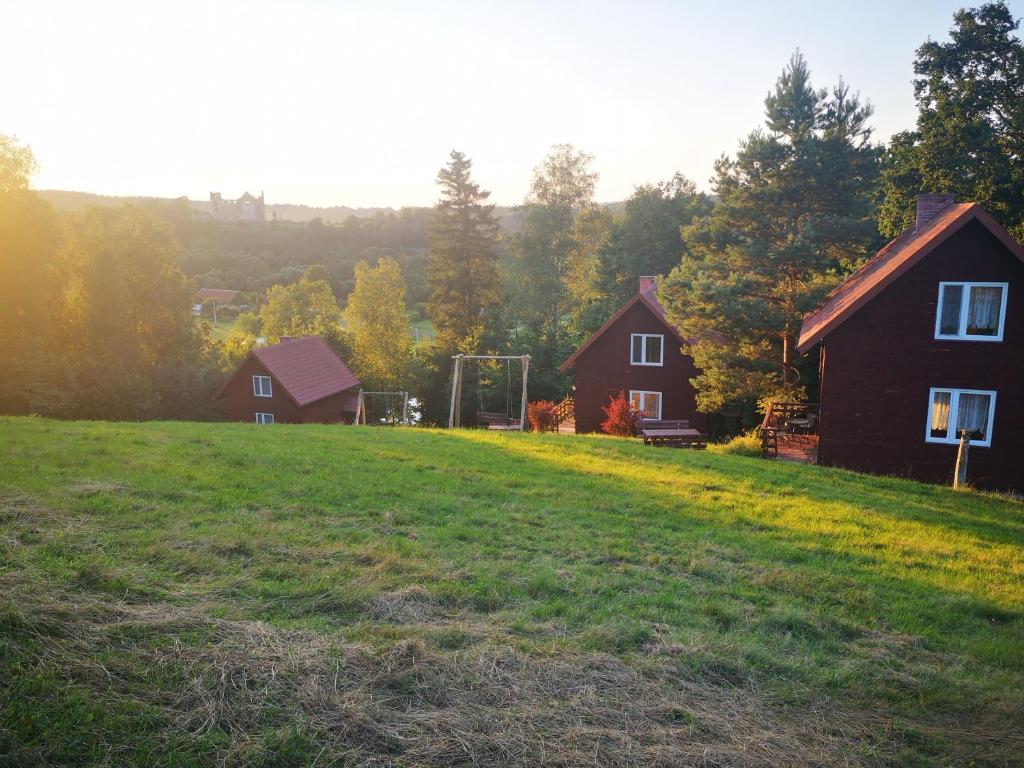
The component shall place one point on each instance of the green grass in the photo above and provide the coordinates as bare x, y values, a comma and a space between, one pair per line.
193, 594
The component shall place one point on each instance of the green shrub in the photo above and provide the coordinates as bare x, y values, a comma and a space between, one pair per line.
747, 444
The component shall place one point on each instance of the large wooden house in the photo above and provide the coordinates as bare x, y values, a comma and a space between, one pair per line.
296, 381
925, 341
637, 352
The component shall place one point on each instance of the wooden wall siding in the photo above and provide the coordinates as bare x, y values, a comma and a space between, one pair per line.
879, 365
241, 405
604, 369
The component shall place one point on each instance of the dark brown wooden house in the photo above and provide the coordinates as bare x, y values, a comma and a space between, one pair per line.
924, 341
296, 381
637, 352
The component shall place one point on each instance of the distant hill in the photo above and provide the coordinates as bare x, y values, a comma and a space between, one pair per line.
65, 200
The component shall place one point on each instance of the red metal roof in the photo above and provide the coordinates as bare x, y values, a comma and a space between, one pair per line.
646, 297
893, 260
215, 294
307, 369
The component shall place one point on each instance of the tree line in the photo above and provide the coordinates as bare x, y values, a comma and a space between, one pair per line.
95, 319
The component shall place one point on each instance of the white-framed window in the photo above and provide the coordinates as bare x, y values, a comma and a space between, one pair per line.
646, 348
648, 403
953, 411
261, 386
264, 418
971, 311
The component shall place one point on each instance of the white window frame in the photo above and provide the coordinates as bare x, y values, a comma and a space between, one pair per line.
965, 306
264, 418
257, 386
643, 393
954, 414
643, 348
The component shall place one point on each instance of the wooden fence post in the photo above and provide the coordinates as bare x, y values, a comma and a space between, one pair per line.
960, 474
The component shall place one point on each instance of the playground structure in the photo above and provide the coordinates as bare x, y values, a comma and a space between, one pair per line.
493, 420
393, 412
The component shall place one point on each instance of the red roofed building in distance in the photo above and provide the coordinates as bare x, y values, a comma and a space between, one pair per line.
296, 381
636, 352
923, 342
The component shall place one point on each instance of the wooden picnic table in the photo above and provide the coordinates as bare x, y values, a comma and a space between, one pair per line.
679, 437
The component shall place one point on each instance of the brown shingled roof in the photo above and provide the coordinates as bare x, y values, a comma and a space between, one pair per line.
647, 298
307, 369
893, 260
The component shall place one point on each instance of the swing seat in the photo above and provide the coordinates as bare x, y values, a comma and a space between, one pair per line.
496, 420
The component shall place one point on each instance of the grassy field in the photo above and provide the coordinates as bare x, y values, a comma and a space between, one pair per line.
181, 594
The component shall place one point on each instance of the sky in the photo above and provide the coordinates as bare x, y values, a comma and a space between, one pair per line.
325, 102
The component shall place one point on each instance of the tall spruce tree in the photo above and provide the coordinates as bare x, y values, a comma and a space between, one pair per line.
794, 212
969, 138
463, 266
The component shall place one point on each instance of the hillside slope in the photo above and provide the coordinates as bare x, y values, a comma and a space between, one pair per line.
224, 594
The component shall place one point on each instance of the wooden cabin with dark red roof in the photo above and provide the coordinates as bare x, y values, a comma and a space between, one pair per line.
637, 352
296, 381
926, 341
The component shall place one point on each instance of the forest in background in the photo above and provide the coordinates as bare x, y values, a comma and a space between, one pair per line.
803, 200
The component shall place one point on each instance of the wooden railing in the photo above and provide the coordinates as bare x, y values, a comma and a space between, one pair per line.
780, 419
565, 411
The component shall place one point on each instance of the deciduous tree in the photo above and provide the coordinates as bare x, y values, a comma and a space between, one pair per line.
378, 325
969, 138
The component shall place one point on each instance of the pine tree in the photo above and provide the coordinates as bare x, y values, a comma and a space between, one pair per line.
794, 212
463, 267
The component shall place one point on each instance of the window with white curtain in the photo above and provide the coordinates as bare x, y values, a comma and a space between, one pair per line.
952, 412
971, 311
647, 403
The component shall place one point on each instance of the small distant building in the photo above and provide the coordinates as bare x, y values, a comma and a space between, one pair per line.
297, 381
639, 353
923, 343
247, 208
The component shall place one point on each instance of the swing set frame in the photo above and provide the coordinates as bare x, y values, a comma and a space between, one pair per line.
361, 406
454, 412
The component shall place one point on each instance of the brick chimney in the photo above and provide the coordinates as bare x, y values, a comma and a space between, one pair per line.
928, 206
647, 283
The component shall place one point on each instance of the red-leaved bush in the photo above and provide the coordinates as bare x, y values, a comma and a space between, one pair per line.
542, 416
620, 417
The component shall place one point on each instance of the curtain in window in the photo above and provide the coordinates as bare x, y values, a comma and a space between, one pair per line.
983, 312
952, 295
940, 414
652, 404
653, 349
972, 415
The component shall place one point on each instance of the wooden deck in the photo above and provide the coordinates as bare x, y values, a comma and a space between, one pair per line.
802, 449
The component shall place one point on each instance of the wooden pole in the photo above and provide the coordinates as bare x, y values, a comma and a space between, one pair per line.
455, 389
522, 408
405, 409
215, 314
960, 474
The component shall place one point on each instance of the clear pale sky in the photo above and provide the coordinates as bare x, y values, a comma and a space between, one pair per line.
358, 103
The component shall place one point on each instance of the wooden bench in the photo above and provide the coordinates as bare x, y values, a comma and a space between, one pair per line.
674, 433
